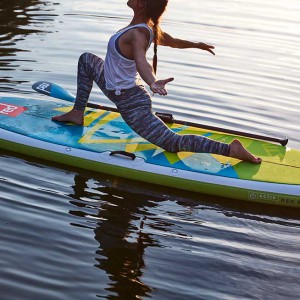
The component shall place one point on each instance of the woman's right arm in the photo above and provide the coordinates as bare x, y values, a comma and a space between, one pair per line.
139, 47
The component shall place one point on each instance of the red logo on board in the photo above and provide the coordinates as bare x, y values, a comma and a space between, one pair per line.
11, 110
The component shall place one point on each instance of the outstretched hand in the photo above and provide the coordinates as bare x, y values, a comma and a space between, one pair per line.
206, 47
158, 86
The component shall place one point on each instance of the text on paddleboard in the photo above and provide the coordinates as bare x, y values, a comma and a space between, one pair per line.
11, 110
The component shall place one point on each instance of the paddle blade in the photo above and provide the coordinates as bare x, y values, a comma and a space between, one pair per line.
53, 90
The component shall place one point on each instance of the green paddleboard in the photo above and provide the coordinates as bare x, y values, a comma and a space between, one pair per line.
106, 144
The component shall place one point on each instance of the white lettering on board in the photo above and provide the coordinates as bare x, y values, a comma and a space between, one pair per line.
7, 109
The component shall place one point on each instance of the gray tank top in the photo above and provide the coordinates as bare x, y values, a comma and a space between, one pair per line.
119, 71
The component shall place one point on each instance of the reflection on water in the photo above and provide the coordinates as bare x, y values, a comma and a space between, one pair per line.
119, 231
18, 19
125, 226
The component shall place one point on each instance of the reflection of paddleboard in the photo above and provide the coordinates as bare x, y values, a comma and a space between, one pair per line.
106, 144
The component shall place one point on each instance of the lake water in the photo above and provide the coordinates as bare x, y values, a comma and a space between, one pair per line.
66, 233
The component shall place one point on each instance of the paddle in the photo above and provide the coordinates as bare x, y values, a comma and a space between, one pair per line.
56, 91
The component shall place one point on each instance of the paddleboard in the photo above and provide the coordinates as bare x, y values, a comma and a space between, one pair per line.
106, 144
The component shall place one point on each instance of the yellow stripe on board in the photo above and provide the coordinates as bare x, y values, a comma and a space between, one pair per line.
87, 138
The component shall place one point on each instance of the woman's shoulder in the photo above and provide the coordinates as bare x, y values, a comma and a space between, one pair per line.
139, 31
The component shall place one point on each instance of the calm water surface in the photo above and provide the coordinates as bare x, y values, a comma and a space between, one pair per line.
70, 234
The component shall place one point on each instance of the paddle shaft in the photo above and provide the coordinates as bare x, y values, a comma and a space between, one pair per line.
168, 118
56, 91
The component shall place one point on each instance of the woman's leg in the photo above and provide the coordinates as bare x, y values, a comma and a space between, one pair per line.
137, 113
90, 69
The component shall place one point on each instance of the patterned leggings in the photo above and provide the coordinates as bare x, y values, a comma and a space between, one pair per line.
134, 105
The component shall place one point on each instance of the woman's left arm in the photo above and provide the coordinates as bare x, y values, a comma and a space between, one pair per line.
169, 41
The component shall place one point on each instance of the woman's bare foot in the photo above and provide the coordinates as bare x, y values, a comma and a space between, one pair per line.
237, 150
74, 116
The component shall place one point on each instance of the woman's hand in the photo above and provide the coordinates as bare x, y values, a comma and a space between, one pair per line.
206, 47
158, 86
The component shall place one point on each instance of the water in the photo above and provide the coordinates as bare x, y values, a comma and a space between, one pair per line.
70, 234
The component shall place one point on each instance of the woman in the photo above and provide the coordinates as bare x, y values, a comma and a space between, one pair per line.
118, 78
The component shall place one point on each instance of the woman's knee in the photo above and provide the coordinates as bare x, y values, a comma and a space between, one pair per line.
84, 56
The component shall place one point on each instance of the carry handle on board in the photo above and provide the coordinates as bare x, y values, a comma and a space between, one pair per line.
56, 91
123, 153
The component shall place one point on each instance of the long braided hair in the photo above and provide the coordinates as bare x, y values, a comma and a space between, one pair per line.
154, 11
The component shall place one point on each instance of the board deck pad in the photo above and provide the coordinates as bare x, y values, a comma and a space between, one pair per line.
106, 131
